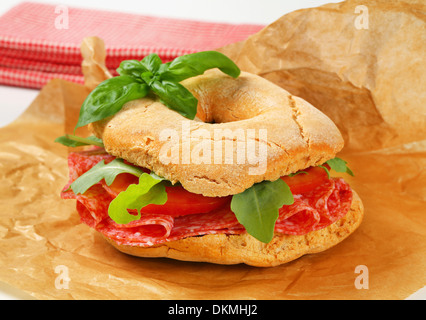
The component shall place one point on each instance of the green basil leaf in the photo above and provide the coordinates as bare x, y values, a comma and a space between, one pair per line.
148, 191
149, 78
132, 68
152, 62
194, 64
176, 97
257, 208
339, 165
103, 171
70, 140
163, 68
109, 97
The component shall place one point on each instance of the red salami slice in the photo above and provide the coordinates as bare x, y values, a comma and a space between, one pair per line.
198, 224
149, 231
332, 200
96, 201
310, 211
298, 218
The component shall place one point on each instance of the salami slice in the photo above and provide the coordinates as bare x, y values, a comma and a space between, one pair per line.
96, 201
310, 211
332, 200
298, 218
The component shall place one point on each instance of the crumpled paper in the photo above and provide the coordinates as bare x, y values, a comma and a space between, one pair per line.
368, 80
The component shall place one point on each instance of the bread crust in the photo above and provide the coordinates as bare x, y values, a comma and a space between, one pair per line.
298, 135
243, 248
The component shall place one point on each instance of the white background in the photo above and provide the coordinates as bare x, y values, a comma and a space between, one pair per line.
15, 100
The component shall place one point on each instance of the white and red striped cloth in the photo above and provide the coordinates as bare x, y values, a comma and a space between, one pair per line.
33, 49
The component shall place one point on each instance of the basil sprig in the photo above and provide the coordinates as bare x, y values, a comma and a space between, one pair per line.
109, 97
138, 78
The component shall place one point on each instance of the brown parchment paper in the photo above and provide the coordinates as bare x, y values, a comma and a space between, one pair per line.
371, 82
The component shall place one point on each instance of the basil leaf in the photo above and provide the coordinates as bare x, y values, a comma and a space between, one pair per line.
132, 68
103, 171
339, 165
257, 208
70, 140
137, 196
194, 64
176, 97
152, 62
109, 97
164, 67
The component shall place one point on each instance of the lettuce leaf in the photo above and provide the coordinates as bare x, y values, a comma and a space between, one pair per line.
149, 190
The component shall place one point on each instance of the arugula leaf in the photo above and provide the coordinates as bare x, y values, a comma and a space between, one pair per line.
296, 173
103, 171
148, 191
339, 165
194, 64
257, 208
109, 97
70, 140
326, 170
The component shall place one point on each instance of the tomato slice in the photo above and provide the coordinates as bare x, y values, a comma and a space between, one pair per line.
182, 202
120, 183
304, 182
179, 201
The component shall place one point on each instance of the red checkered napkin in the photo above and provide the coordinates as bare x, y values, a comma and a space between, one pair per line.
39, 42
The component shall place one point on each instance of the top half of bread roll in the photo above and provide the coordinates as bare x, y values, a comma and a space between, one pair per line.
247, 130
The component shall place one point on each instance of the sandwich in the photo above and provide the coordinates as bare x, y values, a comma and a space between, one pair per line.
196, 160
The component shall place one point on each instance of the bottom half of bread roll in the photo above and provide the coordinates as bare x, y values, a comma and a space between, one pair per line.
243, 248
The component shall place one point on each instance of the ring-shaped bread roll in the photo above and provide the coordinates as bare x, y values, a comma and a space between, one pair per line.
272, 134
